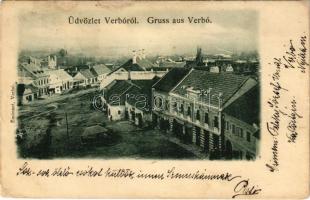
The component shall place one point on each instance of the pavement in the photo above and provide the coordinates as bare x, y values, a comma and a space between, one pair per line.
197, 151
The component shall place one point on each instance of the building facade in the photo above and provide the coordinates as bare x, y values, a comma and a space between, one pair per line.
60, 81
194, 110
37, 76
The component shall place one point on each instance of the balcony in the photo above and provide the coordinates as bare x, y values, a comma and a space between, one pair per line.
216, 130
206, 125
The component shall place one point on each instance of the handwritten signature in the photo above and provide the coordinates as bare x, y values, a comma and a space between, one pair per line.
296, 58
293, 58
243, 188
293, 121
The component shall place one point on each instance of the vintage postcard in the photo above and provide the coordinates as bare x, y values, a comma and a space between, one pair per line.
154, 99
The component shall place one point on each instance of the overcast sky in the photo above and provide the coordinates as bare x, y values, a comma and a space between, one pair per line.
231, 31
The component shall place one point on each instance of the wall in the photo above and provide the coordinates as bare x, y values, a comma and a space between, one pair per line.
113, 111
240, 143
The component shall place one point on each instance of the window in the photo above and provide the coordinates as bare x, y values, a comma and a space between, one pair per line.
119, 112
216, 121
241, 132
207, 118
248, 136
227, 125
233, 129
158, 102
198, 115
182, 108
175, 106
189, 112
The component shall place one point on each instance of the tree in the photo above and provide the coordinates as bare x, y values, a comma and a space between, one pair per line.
20, 93
63, 52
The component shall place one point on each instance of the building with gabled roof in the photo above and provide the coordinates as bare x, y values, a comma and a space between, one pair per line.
138, 105
26, 93
169, 80
128, 98
59, 80
84, 78
201, 108
100, 71
114, 97
35, 75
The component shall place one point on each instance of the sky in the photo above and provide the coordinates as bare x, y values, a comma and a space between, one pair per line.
231, 31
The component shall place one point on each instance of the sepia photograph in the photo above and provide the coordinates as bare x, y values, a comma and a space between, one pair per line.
173, 95
154, 99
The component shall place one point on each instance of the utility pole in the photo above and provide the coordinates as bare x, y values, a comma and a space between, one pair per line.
67, 128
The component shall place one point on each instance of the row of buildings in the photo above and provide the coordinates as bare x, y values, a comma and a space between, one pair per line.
214, 110
36, 81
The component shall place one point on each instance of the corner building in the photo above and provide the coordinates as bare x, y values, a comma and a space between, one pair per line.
219, 112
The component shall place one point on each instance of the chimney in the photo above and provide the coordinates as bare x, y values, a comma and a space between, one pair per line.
134, 57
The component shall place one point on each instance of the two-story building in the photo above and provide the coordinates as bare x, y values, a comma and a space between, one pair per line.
59, 80
198, 107
129, 99
38, 76
100, 72
138, 104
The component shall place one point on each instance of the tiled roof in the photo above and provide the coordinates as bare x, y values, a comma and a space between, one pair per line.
145, 63
250, 101
140, 96
100, 69
25, 79
198, 80
172, 64
170, 79
87, 73
30, 89
121, 88
146, 83
129, 66
61, 74
141, 65
33, 69
117, 90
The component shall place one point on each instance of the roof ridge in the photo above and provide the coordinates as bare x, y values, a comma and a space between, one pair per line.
128, 81
160, 79
237, 89
191, 71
